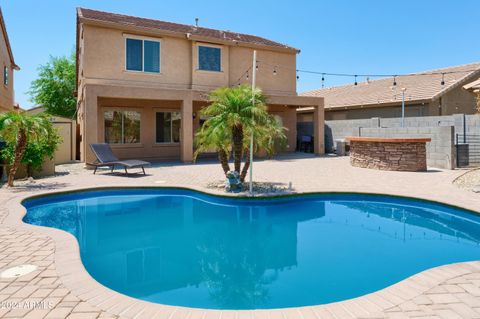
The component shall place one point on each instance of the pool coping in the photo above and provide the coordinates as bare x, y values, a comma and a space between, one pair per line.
75, 277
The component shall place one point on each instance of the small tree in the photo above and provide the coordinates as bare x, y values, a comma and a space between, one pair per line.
36, 151
21, 130
232, 117
54, 87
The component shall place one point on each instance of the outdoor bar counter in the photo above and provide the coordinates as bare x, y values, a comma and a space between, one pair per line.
389, 154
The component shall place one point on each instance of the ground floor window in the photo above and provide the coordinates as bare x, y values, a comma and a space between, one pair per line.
122, 127
167, 127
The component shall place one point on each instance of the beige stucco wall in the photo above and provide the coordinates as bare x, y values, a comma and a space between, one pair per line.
147, 148
104, 84
369, 112
458, 101
288, 117
102, 56
283, 82
150, 150
6, 91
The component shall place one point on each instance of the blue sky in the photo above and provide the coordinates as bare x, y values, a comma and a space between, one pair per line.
390, 37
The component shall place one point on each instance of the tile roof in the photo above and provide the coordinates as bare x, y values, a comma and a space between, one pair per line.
214, 35
419, 86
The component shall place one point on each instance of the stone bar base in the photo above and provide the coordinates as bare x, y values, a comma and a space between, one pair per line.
389, 154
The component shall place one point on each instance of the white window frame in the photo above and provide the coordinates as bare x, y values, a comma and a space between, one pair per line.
210, 46
142, 38
123, 125
171, 127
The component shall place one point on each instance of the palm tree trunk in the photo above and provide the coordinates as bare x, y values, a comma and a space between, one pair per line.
237, 136
222, 156
246, 166
19, 151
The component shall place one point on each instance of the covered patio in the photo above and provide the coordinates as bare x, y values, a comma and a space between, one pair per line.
153, 123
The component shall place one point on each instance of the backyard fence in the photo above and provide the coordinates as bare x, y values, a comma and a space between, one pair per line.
465, 127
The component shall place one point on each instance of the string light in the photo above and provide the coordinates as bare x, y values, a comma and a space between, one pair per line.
367, 76
394, 76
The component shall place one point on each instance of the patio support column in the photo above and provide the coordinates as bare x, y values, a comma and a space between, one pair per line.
186, 149
91, 122
319, 129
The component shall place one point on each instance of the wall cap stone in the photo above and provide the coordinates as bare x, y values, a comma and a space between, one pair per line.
387, 140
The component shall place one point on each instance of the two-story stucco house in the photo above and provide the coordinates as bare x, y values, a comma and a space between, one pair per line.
141, 82
7, 64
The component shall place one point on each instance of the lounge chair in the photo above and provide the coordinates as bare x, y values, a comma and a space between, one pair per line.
106, 158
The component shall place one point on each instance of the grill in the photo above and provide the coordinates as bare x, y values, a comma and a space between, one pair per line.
468, 149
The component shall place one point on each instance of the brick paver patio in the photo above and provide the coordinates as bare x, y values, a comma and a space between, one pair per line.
57, 290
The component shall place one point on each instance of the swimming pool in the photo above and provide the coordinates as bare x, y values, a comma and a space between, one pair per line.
185, 248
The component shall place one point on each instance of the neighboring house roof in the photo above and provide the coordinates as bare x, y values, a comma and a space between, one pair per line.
7, 41
475, 85
183, 29
36, 109
420, 87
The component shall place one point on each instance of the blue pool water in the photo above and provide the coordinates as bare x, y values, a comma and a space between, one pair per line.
180, 247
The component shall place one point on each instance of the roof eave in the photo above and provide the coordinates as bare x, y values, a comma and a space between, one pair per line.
373, 105
472, 85
115, 25
9, 48
456, 84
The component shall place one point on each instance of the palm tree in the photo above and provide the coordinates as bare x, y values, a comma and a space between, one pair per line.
18, 128
214, 135
269, 137
232, 117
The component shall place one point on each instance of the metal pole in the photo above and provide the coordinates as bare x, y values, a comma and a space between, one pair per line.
254, 77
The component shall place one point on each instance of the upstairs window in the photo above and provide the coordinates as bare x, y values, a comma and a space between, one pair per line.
5, 75
142, 55
209, 58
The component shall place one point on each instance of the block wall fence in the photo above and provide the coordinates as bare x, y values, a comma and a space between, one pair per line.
442, 130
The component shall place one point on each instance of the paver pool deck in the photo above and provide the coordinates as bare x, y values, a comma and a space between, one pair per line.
61, 288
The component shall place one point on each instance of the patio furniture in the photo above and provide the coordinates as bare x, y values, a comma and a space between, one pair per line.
106, 158
306, 143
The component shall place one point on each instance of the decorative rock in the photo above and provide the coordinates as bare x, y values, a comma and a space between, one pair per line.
476, 189
233, 184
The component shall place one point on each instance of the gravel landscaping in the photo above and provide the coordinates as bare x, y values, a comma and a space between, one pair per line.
469, 181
